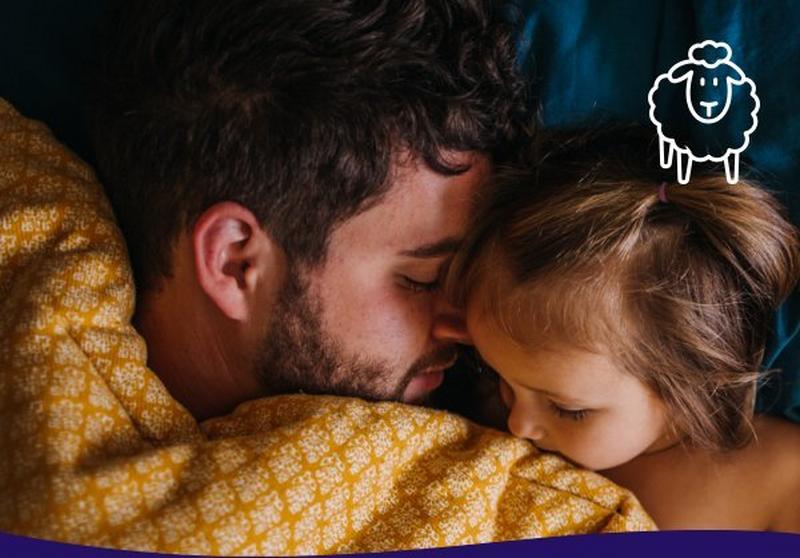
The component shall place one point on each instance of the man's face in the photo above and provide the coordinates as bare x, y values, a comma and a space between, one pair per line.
370, 321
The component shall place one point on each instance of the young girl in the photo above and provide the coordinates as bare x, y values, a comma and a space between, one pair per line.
626, 316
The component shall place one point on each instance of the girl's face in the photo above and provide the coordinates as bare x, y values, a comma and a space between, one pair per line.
573, 402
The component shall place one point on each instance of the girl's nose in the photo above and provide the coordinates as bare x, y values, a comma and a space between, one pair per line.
523, 423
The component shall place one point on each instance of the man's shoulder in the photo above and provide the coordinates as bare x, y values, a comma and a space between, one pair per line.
36, 164
51, 206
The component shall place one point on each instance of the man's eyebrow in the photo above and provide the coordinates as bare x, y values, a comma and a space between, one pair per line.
435, 250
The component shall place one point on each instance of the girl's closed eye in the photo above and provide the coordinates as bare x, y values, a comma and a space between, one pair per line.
572, 414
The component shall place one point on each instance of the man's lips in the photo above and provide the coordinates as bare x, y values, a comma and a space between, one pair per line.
426, 381
439, 367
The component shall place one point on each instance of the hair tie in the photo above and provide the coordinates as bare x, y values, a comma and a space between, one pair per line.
662, 193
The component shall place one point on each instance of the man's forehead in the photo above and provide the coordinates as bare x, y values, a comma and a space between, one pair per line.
423, 215
413, 181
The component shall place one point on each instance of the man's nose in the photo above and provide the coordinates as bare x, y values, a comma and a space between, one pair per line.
449, 324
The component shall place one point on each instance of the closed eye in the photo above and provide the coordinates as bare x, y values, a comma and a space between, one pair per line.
572, 414
419, 286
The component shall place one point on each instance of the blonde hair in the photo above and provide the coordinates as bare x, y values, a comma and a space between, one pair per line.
575, 246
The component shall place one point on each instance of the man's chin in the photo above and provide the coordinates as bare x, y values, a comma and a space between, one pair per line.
421, 386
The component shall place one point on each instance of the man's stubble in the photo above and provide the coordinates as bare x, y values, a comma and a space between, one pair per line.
299, 356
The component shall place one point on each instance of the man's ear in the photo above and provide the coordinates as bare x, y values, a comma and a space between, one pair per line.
237, 263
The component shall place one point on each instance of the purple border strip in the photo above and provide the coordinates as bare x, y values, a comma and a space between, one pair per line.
674, 544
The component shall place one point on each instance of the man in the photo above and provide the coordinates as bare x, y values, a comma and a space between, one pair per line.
292, 177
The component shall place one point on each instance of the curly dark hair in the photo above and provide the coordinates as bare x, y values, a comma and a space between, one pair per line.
293, 108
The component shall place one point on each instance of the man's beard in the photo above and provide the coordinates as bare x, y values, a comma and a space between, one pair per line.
298, 356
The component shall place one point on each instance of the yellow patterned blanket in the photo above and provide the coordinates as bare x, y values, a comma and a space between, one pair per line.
93, 449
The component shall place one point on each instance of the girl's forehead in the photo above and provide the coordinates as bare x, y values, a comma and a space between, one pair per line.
555, 368
570, 307
563, 362
584, 377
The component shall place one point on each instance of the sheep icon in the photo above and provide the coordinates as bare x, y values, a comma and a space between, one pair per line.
711, 84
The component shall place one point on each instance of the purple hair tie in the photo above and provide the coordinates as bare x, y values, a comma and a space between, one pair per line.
662, 193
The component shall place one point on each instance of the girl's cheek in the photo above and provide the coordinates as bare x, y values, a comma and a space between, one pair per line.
597, 447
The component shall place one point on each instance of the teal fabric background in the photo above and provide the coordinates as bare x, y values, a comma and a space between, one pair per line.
587, 59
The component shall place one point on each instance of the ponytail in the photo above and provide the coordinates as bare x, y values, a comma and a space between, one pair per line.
747, 228
734, 258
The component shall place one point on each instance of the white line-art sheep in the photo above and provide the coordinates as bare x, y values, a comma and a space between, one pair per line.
708, 78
